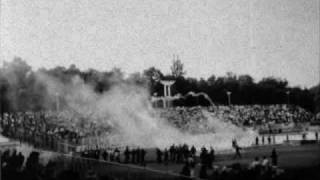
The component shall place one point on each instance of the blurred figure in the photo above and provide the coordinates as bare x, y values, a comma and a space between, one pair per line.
126, 155
204, 156
274, 157
193, 151
142, 156
166, 156
186, 170
254, 163
211, 157
265, 161
159, 155
203, 172
237, 149
117, 154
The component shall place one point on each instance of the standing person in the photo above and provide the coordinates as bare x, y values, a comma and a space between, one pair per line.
105, 155
203, 155
138, 154
117, 154
262, 140
211, 158
257, 141
269, 139
193, 151
237, 153
172, 152
133, 156
316, 134
166, 156
159, 155
111, 155
142, 156
127, 155
304, 136
274, 157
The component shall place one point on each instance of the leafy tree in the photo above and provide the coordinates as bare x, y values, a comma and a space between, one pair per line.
177, 68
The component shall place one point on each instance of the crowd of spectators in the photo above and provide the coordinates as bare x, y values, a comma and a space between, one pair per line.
46, 126
264, 168
16, 166
48, 129
259, 116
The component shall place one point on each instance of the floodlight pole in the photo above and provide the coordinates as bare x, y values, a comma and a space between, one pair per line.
57, 103
229, 97
288, 97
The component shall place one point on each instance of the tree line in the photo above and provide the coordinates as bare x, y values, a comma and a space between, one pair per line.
21, 91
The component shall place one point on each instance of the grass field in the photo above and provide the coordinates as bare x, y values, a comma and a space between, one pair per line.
298, 161
291, 157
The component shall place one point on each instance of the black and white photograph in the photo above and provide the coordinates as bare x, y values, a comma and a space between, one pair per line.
159, 89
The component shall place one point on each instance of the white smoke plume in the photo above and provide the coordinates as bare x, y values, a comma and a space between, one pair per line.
126, 108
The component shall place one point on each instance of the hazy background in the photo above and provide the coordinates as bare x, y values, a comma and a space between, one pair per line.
262, 38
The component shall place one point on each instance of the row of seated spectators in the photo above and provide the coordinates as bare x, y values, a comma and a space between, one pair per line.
194, 118
49, 127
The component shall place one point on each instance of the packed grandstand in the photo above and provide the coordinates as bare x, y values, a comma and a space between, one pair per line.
64, 126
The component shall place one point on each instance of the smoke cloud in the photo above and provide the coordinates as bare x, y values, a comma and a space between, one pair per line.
123, 116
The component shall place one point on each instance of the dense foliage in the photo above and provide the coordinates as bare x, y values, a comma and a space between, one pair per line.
21, 91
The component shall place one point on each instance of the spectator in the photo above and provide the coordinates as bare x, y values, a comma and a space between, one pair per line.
274, 157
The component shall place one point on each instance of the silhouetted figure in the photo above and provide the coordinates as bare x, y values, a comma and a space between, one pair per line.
257, 140
316, 134
186, 170
269, 140
20, 160
105, 155
304, 136
112, 156
172, 151
142, 156
117, 154
237, 149
159, 155
166, 156
211, 157
255, 163
203, 172
274, 157
126, 155
138, 154
193, 151
204, 156
133, 156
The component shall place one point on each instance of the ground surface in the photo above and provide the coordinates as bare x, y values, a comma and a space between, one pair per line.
290, 157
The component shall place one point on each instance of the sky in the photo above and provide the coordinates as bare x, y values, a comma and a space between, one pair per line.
257, 37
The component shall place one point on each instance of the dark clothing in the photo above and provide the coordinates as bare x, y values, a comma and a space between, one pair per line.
274, 157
